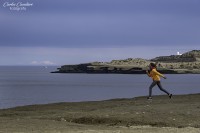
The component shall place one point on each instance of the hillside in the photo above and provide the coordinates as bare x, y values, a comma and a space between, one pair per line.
188, 62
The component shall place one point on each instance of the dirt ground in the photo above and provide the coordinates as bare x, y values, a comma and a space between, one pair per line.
181, 114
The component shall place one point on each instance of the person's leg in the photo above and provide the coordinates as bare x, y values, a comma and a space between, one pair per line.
150, 88
161, 88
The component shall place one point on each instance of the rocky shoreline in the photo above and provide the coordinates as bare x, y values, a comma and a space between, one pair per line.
187, 63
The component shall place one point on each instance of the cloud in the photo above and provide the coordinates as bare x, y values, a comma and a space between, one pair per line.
46, 62
102, 23
34, 62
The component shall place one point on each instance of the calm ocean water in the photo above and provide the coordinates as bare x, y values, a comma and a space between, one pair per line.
36, 85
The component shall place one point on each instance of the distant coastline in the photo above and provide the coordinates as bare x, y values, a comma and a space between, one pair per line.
187, 63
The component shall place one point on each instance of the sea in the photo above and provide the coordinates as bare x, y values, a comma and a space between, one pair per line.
29, 85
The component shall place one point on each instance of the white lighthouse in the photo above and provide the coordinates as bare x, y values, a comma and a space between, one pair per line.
178, 53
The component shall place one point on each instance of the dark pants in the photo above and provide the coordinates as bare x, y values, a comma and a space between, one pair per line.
159, 85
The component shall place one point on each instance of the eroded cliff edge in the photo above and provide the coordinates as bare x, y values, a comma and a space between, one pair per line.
188, 62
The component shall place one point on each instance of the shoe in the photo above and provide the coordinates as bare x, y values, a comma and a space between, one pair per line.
149, 98
170, 96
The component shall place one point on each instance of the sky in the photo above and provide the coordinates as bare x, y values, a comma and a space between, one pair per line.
59, 32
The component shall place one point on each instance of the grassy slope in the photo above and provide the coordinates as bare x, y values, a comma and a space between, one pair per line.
181, 111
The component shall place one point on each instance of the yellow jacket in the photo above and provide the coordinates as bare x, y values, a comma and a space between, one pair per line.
155, 75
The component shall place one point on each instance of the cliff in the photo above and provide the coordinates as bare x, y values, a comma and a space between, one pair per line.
191, 56
188, 62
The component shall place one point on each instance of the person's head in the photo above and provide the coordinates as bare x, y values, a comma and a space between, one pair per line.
152, 65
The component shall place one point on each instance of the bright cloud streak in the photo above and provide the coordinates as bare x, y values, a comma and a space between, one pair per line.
42, 63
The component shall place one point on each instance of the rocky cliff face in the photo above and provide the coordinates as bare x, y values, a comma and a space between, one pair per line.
138, 62
191, 56
188, 62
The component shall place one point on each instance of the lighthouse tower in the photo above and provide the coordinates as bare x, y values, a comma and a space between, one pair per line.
178, 53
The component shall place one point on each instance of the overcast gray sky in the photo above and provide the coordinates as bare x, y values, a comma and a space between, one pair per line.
58, 32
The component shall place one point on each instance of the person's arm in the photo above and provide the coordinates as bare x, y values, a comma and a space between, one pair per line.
148, 73
157, 73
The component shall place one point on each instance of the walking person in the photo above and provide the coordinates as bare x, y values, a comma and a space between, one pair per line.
155, 75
